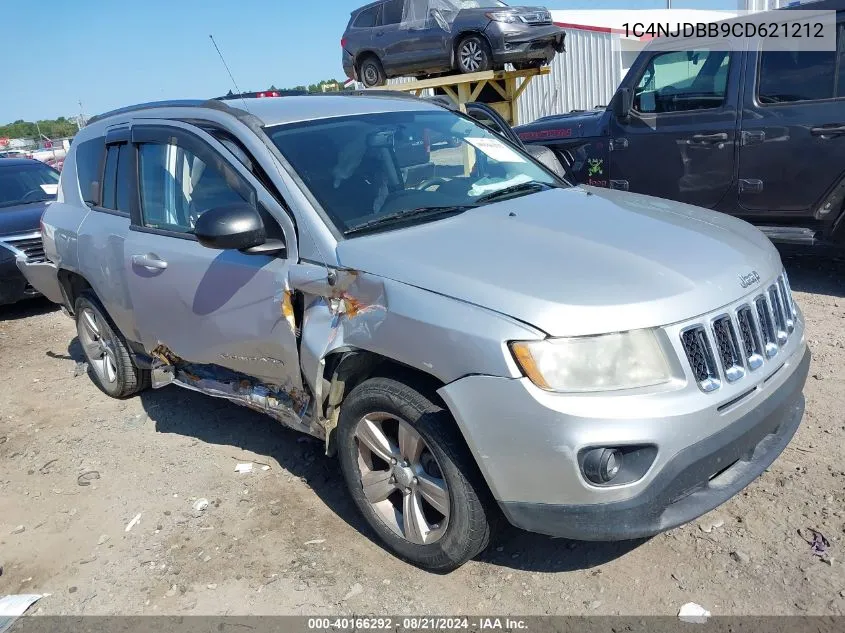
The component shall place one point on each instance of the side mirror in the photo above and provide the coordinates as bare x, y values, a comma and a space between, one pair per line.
623, 101
233, 226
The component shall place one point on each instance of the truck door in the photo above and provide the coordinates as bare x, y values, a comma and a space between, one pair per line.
793, 132
679, 138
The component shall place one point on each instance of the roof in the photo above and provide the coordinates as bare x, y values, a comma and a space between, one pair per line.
294, 109
10, 162
277, 111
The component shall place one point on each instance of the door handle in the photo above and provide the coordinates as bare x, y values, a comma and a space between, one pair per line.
719, 137
149, 261
828, 130
380, 33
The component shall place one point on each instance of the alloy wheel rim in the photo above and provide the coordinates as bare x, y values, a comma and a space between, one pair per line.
401, 478
98, 351
471, 55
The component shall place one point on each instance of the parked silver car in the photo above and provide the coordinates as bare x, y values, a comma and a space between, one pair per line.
470, 334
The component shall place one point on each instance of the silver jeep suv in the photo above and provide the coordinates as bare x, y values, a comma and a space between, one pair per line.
471, 335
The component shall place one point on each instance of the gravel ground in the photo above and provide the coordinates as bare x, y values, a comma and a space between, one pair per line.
77, 467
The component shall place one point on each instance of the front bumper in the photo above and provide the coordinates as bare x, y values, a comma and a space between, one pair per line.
520, 42
695, 481
527, 443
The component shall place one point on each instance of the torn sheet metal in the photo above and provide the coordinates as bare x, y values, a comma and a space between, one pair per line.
342, 308
287, 405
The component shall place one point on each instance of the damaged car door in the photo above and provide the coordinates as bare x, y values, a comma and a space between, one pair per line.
216, 316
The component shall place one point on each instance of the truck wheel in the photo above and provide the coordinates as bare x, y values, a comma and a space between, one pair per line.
474, 54
109, 363
412, 476
372, 72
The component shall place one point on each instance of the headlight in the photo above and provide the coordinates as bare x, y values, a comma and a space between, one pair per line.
624, 360
502, 16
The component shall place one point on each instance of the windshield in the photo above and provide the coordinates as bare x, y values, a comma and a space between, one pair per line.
362, 168
27, 183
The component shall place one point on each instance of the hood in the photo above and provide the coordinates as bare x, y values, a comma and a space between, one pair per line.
574, 125
576, 261
21, 218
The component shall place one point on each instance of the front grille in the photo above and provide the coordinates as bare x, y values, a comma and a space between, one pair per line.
743, 340
30, 245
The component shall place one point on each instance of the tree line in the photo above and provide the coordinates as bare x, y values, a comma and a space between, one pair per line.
56, 128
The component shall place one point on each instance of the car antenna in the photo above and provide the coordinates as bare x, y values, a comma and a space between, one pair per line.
331, 275
231, 76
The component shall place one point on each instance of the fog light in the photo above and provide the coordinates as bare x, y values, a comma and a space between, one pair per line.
601, 465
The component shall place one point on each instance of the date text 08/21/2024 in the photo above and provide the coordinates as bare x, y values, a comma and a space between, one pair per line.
416, 623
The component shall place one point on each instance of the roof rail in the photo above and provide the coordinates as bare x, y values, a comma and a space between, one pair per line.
173, 103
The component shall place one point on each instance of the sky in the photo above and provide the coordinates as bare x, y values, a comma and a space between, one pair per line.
111, 53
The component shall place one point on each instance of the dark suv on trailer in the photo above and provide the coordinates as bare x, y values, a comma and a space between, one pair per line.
391, 38
756, 134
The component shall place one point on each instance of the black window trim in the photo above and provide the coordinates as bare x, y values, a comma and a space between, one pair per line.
113, 136
840, 61
734, 59
160, 134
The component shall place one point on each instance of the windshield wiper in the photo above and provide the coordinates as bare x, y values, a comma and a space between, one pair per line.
400, 216
523, 187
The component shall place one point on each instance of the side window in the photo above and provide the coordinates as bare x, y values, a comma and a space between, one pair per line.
790, 76
367, 19
89, 165
681, 81
176, 187
392, 12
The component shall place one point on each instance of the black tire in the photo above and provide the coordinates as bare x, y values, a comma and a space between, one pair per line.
128, 379
472, 511
473, 54
371, 72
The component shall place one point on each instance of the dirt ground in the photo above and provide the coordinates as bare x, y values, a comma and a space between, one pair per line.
287, 540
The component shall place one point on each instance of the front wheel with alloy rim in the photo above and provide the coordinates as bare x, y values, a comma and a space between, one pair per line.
110, 364
412, 476
474, 55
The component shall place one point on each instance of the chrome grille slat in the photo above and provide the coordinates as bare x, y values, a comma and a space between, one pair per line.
700, 357
749, 332
727, 348
743, 339
767, 326
779, 313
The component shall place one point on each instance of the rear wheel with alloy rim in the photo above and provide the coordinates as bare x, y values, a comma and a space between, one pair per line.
412, 476
110, 364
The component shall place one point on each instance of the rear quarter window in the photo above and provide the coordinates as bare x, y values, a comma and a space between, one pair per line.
89, 168
367, 18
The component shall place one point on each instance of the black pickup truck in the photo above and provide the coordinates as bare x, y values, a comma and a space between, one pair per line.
755, 134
